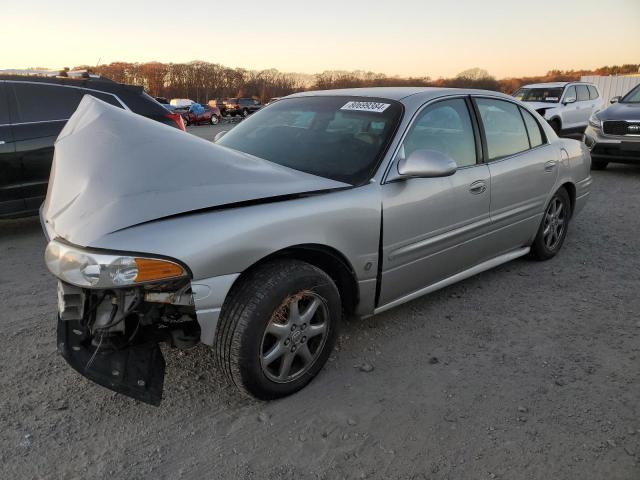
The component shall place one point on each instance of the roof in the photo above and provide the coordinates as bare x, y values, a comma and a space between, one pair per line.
554, 84
394, 93
99, 83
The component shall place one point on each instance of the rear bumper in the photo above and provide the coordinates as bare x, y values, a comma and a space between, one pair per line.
621, 149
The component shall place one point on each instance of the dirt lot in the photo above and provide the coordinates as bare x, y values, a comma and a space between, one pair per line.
529, 371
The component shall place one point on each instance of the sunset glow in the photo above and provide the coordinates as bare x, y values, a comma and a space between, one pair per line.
404, 37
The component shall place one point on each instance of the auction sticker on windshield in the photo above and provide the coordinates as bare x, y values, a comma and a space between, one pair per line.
366, 106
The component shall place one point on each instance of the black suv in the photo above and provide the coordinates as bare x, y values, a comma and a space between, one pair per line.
240, 106
33, 111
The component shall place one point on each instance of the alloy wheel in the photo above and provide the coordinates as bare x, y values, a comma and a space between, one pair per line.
554, 223
294, 337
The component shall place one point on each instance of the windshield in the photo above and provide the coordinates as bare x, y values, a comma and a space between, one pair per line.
632, 97
341, 138
549, 95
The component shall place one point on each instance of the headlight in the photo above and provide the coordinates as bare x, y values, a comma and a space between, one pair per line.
97, 270
594, 121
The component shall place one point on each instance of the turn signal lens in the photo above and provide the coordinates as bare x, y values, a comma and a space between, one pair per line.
150, 269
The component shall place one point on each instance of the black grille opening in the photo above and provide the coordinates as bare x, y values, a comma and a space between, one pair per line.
620, 127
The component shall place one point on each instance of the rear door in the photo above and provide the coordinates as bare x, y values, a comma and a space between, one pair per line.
596, 100
41, 111
584, 105
434, 227
523, 167
11, 200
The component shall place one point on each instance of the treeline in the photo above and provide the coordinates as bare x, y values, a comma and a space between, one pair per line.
202, 81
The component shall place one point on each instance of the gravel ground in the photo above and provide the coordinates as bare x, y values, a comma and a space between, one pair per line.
529, 371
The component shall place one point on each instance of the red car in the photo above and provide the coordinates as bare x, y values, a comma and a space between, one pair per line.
208, 115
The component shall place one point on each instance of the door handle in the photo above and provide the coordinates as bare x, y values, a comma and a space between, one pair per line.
550, 165
478, 187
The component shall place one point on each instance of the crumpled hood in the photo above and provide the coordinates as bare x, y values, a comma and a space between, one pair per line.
621, 111
542, 105
113, 169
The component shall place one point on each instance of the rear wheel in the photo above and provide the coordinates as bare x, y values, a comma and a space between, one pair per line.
245, 112
186, 121
598, 164
555, 124
277, 328
214, 120
553, 228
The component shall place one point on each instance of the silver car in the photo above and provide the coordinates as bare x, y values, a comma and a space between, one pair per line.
321, 204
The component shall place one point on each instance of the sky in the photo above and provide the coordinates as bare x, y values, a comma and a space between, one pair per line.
397, 37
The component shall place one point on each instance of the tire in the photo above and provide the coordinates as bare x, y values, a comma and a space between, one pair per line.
214, 120
557, 127
245, 112
598, 164
186, 121
253, 358
553, 227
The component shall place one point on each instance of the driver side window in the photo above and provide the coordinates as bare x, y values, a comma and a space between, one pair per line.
570, 94
446, 128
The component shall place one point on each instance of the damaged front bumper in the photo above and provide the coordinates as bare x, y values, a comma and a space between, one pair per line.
113, 337
136, 370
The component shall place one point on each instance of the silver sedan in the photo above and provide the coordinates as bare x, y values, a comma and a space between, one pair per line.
321, 204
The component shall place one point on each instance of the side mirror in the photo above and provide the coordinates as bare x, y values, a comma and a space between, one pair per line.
426, 164
615, 99
569, 100
219, 135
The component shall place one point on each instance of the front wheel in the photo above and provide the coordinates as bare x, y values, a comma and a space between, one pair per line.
186, 121
214, 120
245, 112
553, 228
277, 328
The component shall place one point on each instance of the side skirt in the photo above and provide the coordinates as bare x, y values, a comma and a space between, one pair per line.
481, 267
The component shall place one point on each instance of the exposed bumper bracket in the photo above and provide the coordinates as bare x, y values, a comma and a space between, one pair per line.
136, 371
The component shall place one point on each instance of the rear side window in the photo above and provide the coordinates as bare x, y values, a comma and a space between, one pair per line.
105, 97
503, 127
583, 93
140, 102
444, 127
593, 92
533, 129
41, 102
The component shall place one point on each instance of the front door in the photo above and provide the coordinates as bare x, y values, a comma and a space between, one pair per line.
434, 227
570, 110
